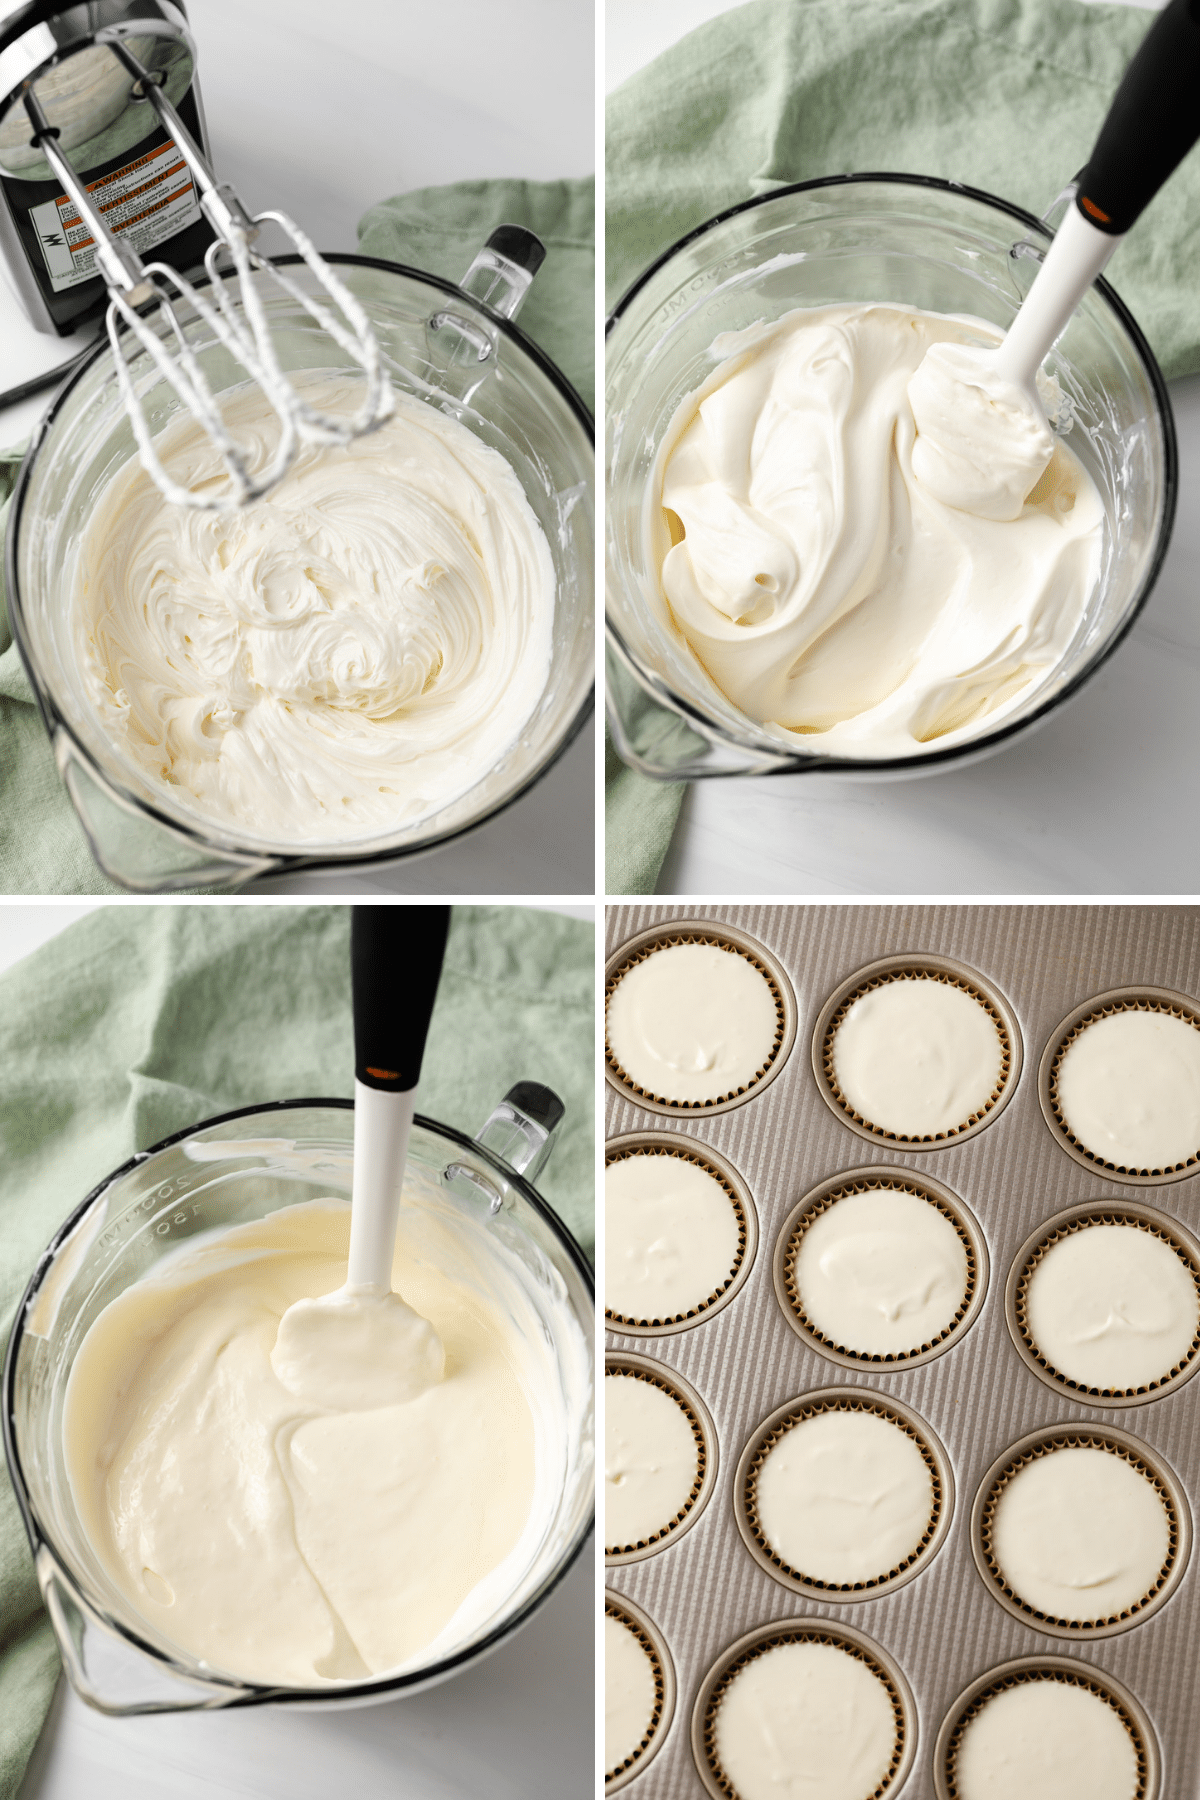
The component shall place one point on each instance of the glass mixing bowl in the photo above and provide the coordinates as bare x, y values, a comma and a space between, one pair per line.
227, 1171
456, 349
908, 239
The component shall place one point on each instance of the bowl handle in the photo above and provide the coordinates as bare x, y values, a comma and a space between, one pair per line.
499, 278
656, 740
109, 1674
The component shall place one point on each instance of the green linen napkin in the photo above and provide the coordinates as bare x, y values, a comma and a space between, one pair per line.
1004, 95
42, 846
138, 1021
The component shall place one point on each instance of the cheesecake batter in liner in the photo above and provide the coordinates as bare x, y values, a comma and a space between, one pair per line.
936, 968
1058, 1668
1120, 1443
874, 1179
663, 1143
644, 1368
1078, 1218
1103, 1006
692, 931
770, 1637
810, 1406
976, 1394
653, 1643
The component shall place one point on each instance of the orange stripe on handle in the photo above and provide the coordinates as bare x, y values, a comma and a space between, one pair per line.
1093, 211
384, 1074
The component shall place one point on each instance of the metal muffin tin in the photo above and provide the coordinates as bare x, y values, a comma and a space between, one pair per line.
945, 1636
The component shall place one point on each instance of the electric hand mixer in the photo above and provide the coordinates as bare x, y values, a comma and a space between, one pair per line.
76, 78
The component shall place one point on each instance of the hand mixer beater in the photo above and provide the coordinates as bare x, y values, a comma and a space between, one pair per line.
134, 60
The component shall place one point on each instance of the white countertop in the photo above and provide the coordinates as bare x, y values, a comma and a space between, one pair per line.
323, 111
1100, 801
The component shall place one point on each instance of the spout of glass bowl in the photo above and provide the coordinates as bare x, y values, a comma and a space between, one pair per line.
137, 847
499, 278
111, 1675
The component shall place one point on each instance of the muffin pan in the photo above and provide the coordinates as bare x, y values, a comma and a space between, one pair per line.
941, 1632
661, 1143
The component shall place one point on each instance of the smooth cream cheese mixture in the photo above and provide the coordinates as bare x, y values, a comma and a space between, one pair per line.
651, 1460
881, 1272
671, 1237
1046, 1740
692, 1022
1081, 1534
1113, 1307
805, 1722
1129, 1089
844, 1497
339, 660
917, 1057
829, 593
288, 1543
630, 1693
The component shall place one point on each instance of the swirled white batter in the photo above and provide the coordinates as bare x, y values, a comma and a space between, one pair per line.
1046, 1740
692, 1022
629, 1692
917, 1056
1129, 1088
1080, 1534
844, 1496
337, 661
881, 1272
805, 1722
1113, 1307
670, 1233
828, 592
283, 1541
651, 1460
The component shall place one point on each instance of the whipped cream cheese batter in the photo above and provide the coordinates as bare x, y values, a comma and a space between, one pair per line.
1046, 1740
1129, 1088
288, 1542
805, 1722
1113, 1307
651, 1460
828, 590
629, 1692
692, 1022
1080, 1534
339, 660
917, 1056
844, 1496
671, 1236
882, 1272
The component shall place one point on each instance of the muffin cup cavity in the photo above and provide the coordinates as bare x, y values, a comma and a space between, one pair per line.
618, 1606
1106, 1006
774, 1429
646, 1368
801, 1631
818, 1201
1095, 1437
928, 967
665, 935
662, 1143
1063, 1669
1056, 1230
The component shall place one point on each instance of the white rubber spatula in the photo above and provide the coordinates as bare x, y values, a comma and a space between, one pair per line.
983, 439
363, 1346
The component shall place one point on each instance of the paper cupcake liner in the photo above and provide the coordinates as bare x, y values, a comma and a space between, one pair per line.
645, 1368
650, 1638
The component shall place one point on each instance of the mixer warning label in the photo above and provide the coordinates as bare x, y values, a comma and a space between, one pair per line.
147, 201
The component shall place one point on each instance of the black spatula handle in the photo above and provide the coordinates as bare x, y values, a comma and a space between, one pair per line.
395, 960
1152, 123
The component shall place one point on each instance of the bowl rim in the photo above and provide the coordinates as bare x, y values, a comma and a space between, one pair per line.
247, 1693
216, 840
791, 762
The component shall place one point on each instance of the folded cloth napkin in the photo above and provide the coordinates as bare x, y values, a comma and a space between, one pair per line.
42, 846
139, 1021
1004, 95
